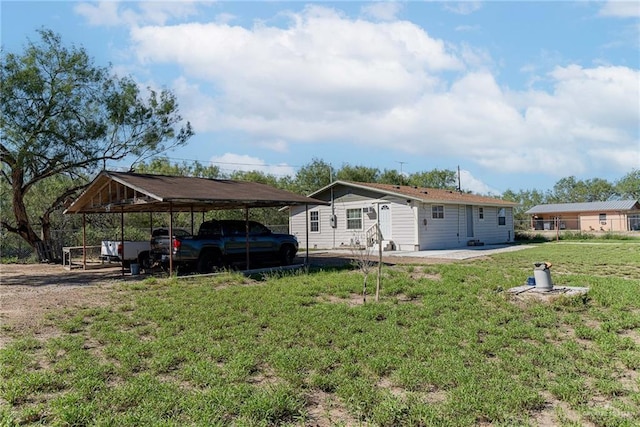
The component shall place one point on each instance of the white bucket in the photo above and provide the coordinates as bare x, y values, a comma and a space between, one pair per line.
135, 269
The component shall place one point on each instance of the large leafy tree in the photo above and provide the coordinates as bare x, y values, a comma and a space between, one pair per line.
358, 173
628, 187
436, 178
163, 166
312, 177
64, 118
392, 176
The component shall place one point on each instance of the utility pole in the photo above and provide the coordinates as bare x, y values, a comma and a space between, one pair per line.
401, 176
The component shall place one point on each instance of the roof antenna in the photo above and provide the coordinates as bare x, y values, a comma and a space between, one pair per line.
459, 186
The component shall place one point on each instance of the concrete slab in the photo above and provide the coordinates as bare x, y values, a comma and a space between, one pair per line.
526, 291
455, 254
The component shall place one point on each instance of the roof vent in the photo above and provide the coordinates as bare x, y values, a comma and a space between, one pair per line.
425, 192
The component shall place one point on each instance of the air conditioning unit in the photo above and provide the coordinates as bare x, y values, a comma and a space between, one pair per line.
368, 209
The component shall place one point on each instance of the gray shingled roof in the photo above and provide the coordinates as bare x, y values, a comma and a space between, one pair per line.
613, 205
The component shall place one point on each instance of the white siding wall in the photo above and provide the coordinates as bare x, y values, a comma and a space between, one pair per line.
488, 230
402, 227
298, 224
451, 231
441, 233
408, 229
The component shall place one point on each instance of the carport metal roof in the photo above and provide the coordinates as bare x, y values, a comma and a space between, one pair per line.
133, 192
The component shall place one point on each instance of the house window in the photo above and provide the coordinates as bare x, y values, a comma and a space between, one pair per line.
314, 221
502, 216
437, 212
354, 219
603, 218
481, 214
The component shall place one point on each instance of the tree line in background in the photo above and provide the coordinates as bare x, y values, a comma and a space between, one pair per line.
63, 118
309, 178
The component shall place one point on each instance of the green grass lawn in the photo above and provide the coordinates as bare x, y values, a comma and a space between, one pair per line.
446, 345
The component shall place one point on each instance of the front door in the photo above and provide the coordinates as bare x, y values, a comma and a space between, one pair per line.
469, 221
385, 222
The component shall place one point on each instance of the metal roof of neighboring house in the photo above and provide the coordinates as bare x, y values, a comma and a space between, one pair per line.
422, 194
133, 192
613, 205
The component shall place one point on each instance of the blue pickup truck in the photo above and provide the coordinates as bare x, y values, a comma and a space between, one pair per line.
221, 243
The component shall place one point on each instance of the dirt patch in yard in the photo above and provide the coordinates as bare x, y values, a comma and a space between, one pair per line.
28, 292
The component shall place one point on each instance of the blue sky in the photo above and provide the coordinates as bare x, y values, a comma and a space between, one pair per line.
518, 94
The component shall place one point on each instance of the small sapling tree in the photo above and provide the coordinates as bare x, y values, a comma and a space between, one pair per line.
362, 258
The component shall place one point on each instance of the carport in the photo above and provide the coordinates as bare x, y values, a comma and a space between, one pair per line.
128, 192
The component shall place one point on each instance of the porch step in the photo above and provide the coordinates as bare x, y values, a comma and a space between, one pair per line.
387, 245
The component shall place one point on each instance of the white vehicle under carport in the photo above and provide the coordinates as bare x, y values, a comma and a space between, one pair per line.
114, 251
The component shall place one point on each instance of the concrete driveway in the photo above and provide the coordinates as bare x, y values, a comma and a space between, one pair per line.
453, 254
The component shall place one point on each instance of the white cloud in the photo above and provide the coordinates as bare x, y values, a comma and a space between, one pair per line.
628, 159
102, 13
323, 68
463, 7
114, 13
468, 28
326, 77
382, 10
621, 9
470, 183
243, 162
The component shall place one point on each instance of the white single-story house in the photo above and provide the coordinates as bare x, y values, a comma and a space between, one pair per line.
614, 215
408, 218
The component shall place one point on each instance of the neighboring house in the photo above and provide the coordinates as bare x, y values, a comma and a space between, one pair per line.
409, 218
617, 215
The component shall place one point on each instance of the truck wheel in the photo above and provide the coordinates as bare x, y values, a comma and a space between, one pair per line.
287, 253
209, 261
144, 261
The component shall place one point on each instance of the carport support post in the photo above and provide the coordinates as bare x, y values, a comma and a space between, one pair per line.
379, 239
246, 235
171, 238
84, 242
121, 239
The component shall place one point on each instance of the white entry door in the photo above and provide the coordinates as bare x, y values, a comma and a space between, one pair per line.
385, 221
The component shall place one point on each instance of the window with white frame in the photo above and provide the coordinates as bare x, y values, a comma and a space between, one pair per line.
354, 219
437, 211
481, 213
603, 218
502, 216
314, 221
